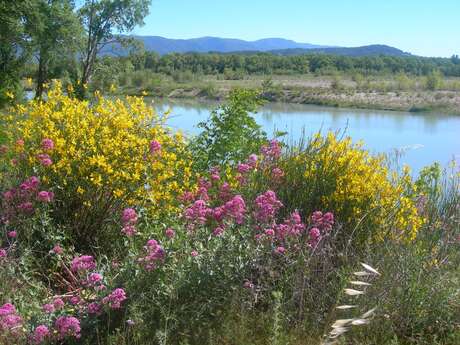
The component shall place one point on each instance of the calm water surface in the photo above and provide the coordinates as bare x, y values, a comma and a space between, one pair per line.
424, 138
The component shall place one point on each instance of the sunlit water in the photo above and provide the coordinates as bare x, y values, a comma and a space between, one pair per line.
424, 138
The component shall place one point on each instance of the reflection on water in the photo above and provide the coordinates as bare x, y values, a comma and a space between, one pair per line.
425, 138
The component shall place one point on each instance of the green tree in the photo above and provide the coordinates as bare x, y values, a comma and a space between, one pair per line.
231, 134
16, 23
100, 19
433, 80
57, 36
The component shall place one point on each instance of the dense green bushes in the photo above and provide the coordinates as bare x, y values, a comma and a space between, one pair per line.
247, 242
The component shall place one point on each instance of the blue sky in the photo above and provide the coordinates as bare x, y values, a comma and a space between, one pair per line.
423, 27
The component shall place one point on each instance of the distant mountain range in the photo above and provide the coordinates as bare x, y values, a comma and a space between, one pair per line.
370, 50
280, 46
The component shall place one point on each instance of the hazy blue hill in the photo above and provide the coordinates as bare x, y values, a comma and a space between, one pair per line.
280, 46
164, 45
370, 50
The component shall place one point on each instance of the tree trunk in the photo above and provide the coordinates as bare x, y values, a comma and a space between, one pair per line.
41, 76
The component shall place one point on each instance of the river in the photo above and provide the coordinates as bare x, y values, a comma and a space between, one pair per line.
422, 138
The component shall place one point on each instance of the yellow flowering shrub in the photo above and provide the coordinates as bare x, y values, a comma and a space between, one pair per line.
102, 155
335, 174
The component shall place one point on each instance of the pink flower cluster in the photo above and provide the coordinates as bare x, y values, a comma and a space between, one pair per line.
47, 144
20, 201
215, 173
83, 263
67, 326
57, 304
322, 223
292, 226
170, 233
40, 335
94, 308
197, 212
154, 254
154, 147
244, 168
272, 150
30, 185
231, 211
115, 298
266, 207
45, 196
44, 159
129, 220
10, 321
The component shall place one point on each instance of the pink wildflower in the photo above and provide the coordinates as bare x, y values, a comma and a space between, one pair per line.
129, 216
243, 168
47, 144
57, 249
74, 300
277, 173
197, 212
94, 308
155, 146
170, 233
155, 253
280, 250
9, 194
67, 326
252, 161
272, 150
115, 298
215, 173
83, 263
58, 303
40, 334
225, 191
31, 184
315, 236
194, 253
45, 196
267, 205
48, 308
218, 231
10, 321
269, 232
235, 209
94, 278
3, 253
26, 207
44, 159
314, 233
12, 234
129, 230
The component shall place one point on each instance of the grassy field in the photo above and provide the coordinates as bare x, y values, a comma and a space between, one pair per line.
389, 93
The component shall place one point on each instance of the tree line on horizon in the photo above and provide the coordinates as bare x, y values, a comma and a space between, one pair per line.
269, 63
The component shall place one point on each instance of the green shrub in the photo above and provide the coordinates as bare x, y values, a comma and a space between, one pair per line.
230, 134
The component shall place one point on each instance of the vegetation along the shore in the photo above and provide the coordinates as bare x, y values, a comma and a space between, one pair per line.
374, 82
117, 230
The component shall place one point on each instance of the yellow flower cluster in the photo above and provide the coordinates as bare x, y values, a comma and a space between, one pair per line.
101, 150
358, 187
